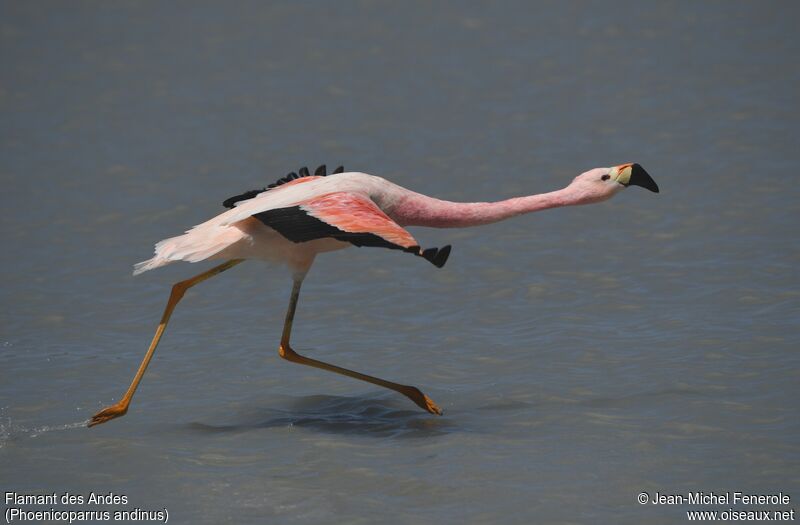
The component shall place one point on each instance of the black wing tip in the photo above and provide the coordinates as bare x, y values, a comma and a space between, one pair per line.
231, 201
437, 256
303, 172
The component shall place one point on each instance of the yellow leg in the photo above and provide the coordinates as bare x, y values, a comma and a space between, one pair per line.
286, 352
120, 408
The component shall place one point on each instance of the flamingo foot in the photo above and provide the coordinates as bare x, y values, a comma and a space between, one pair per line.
107, 414
422, 401
431, 407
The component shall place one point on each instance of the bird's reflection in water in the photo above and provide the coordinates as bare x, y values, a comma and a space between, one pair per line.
365, 415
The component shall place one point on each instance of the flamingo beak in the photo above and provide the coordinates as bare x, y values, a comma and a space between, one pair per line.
634, 174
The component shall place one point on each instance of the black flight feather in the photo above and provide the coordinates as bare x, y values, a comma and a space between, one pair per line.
297, 225
319, 172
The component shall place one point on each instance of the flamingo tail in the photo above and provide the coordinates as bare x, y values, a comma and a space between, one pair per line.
198, 244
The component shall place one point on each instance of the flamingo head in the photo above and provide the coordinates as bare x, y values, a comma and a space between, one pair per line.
600, 184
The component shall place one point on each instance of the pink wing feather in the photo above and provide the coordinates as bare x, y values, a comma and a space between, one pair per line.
354, 213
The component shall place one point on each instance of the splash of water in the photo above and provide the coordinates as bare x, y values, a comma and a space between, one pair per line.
8, 430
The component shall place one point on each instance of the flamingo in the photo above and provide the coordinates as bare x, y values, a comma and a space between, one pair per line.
302, 215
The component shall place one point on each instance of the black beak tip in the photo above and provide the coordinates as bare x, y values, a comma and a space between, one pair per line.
639, 177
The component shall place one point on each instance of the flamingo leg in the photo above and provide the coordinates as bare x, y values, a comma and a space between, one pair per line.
286, 352
178, 289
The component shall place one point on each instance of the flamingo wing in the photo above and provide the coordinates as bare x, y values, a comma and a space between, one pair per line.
348, 217
291, 178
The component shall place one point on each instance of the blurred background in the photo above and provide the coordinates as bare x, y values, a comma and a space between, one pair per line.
581, 355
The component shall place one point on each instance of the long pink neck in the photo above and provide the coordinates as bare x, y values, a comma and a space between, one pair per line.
420, 210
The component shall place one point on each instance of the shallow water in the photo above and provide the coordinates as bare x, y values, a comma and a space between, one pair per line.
581, 355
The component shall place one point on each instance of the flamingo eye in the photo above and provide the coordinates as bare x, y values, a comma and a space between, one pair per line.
605, 177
